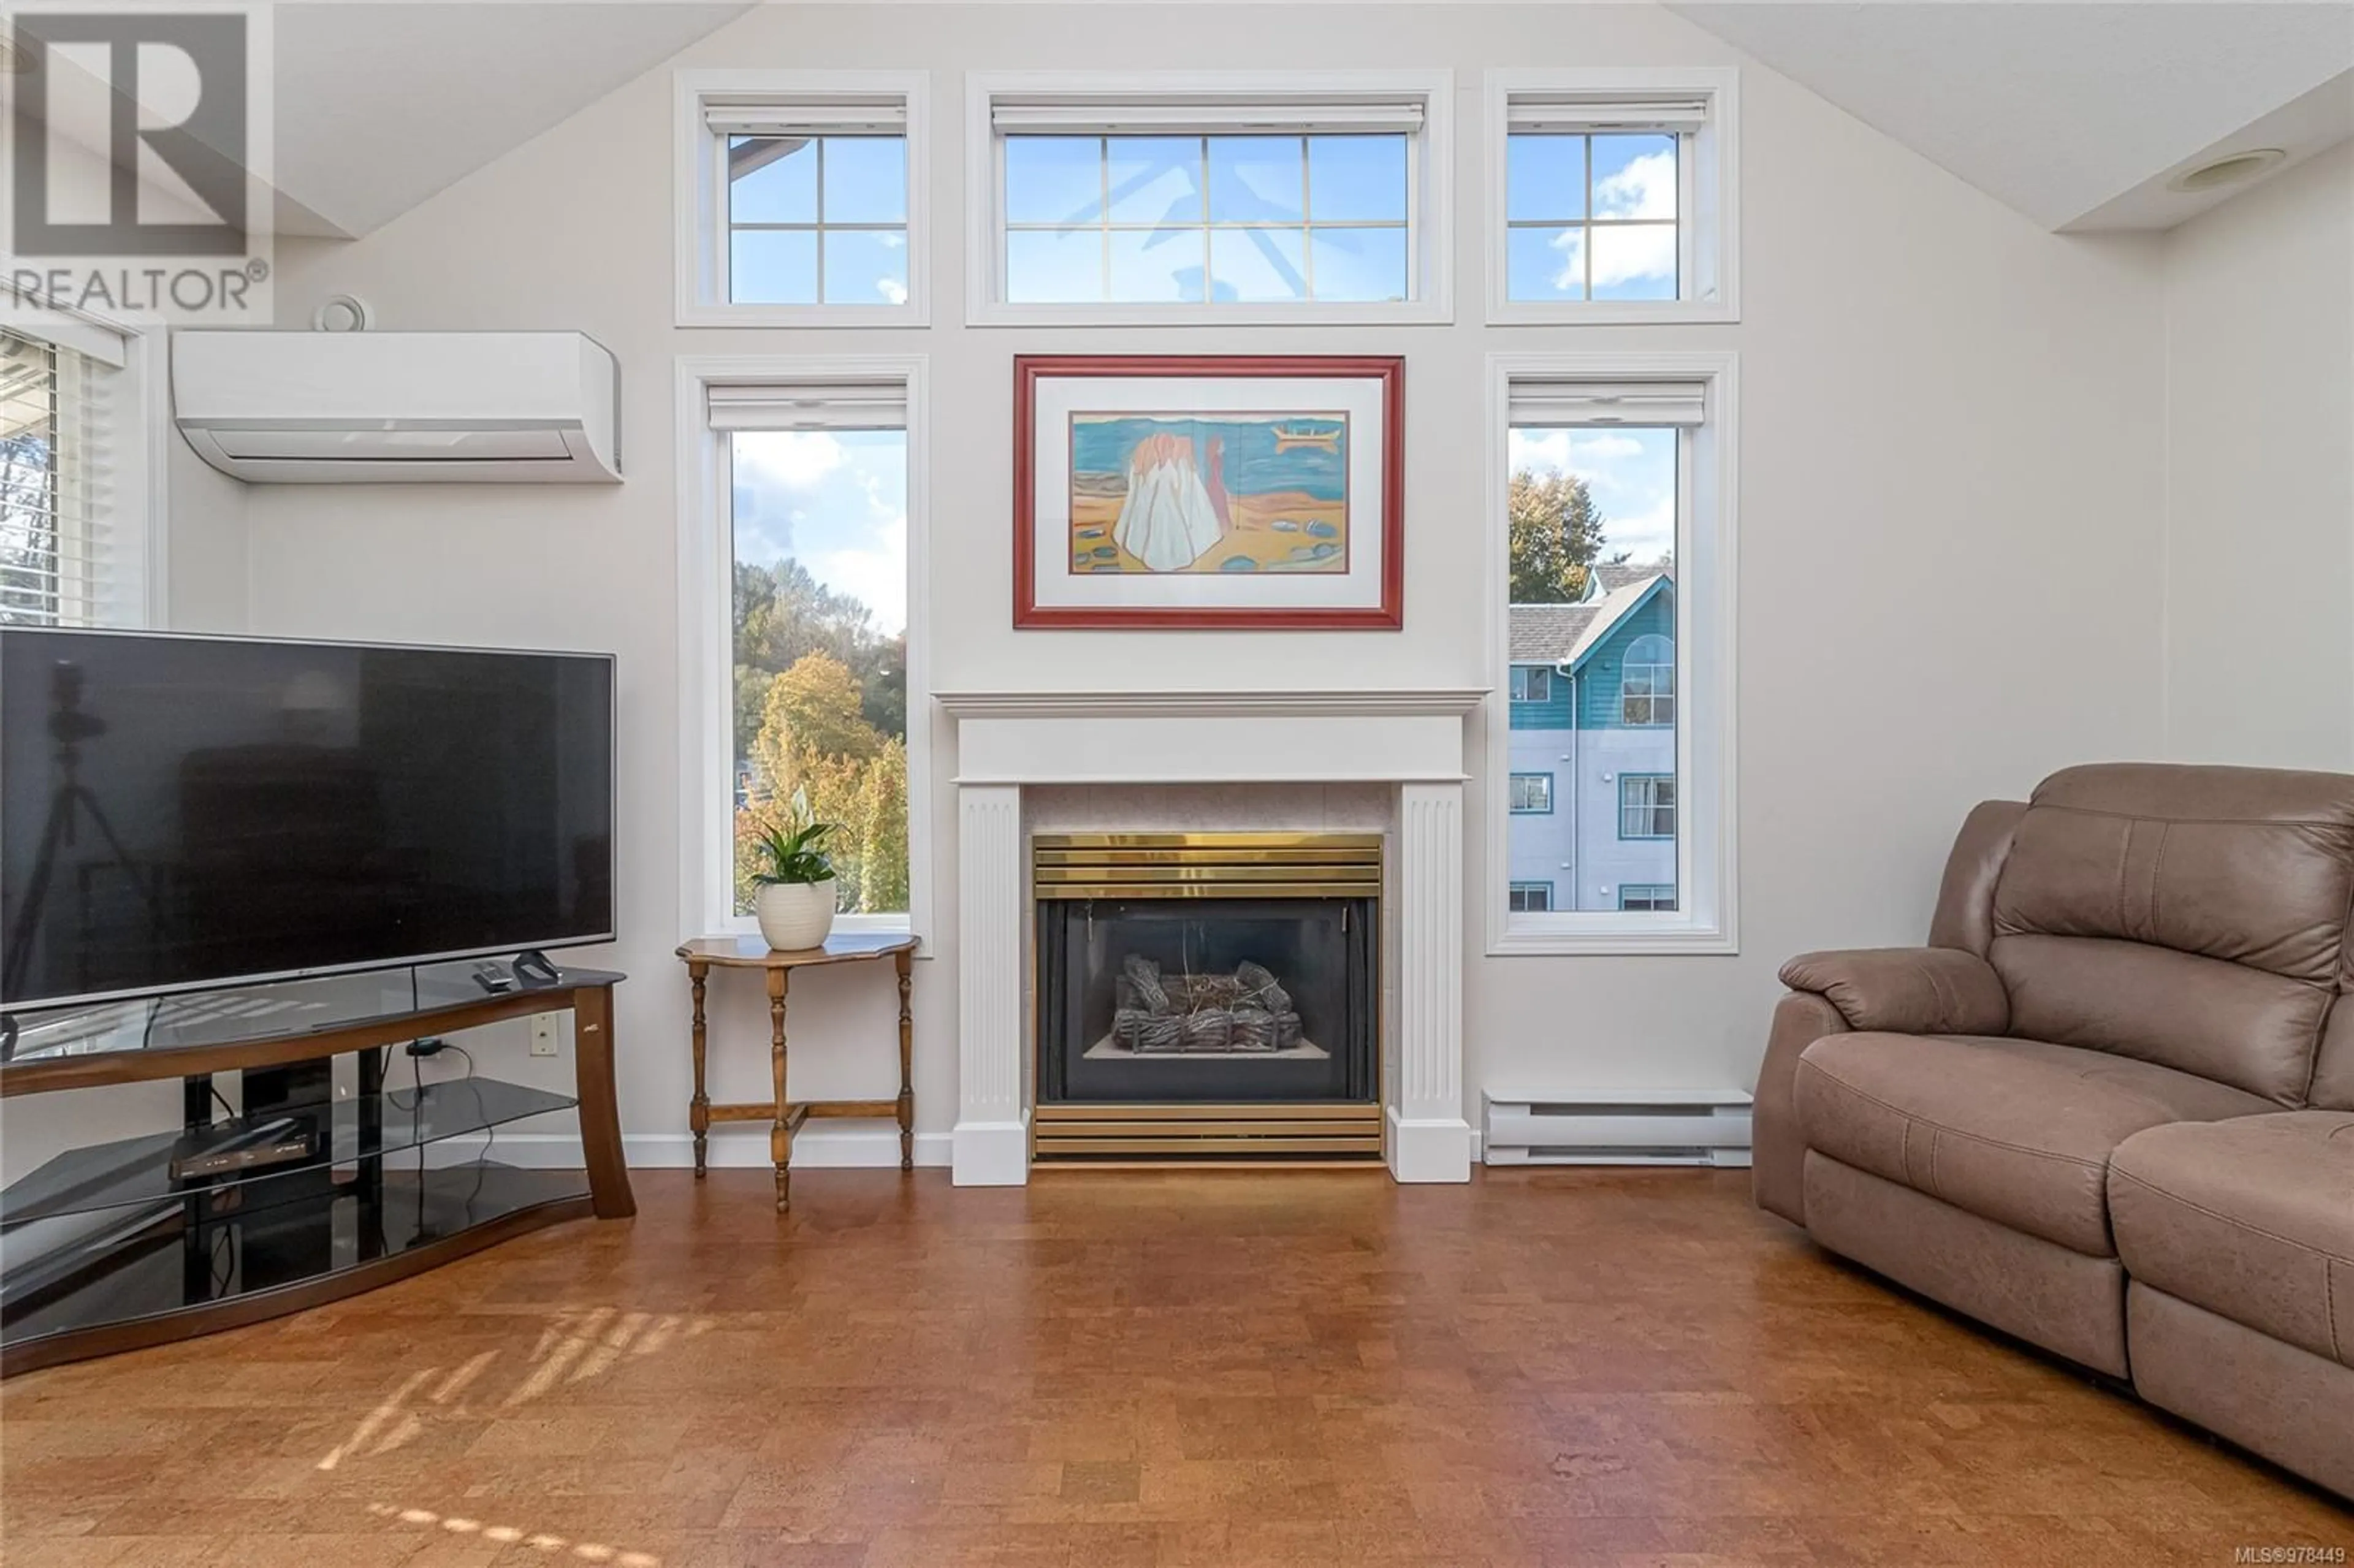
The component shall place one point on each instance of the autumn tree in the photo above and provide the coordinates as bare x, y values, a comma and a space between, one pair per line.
814, 737
1556, 534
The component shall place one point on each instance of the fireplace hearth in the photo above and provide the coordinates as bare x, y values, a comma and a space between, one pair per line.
1208, 996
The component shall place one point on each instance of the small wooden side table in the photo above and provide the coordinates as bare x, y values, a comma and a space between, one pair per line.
706, 953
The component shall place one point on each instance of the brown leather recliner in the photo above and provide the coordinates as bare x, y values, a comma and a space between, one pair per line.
2109, 1108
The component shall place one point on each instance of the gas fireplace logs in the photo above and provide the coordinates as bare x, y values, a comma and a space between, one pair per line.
1246, 1011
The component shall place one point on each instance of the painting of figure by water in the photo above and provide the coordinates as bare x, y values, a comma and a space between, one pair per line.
1210, 493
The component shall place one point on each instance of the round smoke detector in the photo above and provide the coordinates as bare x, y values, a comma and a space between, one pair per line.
341, 312
2227, 170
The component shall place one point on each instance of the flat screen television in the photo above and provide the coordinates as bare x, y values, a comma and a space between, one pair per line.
179, 812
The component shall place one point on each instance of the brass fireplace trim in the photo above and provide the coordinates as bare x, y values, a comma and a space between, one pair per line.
1206, 865
1345, 1134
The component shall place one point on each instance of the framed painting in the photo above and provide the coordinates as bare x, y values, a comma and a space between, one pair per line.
1186, 493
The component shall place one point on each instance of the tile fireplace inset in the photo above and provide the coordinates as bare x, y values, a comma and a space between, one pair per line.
1208, 996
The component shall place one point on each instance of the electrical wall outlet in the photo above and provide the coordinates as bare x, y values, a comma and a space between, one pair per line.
543, 1033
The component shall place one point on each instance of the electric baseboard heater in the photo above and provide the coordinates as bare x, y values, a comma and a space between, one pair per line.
1616, 1127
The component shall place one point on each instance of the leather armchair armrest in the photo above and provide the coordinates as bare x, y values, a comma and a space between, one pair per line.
1906, 991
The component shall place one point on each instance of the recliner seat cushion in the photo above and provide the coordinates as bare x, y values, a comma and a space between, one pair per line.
2251, 1219
2191, 916
2017, 1131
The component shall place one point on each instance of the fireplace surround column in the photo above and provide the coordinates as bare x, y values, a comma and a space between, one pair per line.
990, 1147
1428, 1138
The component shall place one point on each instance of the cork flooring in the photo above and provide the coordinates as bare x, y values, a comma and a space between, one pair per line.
1115, 1369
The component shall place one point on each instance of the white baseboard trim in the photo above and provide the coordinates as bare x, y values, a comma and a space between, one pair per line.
734, 1145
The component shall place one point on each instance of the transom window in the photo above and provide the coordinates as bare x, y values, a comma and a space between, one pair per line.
817, 219
1649, 896
1647, 682
1613, 194
1532, 683
1532, 792
1647, 806
800, 199
1235, 196
1530, 897
1206, 219
1591, 216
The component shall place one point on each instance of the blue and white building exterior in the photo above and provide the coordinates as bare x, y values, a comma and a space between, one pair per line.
1593, 792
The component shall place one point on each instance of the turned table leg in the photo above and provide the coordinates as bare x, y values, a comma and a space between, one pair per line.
781, 1135
906, 1062
698, 1111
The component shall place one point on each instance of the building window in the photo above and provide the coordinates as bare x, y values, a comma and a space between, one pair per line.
1647, 682
1532, 792
1613, 194
1530, 897
1532, 683
72, 450
1647, 806
1231, 198
814, 613
1611, 535
1651, 897
799, 198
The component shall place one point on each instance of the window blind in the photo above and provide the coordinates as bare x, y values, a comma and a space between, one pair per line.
1672, 117
821, 117
814, 405
1543, 403
1087, 116
58, 549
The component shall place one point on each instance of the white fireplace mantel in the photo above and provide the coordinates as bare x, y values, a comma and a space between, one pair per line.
1411, 738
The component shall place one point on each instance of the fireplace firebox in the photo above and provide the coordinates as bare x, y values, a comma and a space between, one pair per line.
1208, 996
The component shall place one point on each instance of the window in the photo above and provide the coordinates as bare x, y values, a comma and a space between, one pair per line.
1651, 897
1610, 536
806, 526
1647, 806
799, 198
1532, 683
1233, 197
1532, 792
1647, 682
1530, 897
74, 450
1613, 196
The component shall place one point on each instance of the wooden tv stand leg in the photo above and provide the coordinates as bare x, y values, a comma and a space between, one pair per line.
600, 1118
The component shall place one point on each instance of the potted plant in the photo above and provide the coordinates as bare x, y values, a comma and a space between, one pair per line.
795, 901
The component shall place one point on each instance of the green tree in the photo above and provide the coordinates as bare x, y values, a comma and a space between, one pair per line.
1555, 534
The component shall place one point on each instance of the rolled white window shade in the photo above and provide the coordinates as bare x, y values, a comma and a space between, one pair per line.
867, 117
1096, 116
1609, 403
1671, 117
58, 539
810, 406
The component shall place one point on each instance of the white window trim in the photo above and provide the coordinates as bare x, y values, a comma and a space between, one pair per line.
705, 637
1707, 918
1430, 218
1709, 234
699, 196
138, 351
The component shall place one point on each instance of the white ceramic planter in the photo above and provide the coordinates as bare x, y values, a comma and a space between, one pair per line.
795, 914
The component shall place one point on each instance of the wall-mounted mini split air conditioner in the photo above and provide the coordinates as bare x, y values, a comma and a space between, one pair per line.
314, 407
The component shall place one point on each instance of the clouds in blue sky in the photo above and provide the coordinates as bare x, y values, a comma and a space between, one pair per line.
835, 501
1630, 473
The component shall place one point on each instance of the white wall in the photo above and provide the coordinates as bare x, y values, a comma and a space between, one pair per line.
2260, 474
1950, 493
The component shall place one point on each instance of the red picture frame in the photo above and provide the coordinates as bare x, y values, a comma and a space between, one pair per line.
1389, 535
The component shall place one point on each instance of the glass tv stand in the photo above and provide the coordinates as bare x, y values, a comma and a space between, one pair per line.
325, 1183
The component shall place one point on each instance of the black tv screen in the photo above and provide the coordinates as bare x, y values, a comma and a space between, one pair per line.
185, 812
